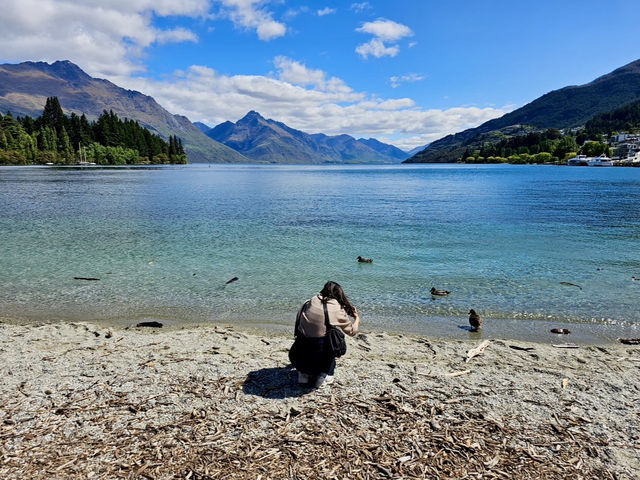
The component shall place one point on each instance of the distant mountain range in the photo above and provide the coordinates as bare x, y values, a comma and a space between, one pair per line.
270, 141
565, 108
415, 150
25, 87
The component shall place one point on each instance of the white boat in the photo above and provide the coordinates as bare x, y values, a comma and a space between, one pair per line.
601, 161
578, 161
632, 159
83, 157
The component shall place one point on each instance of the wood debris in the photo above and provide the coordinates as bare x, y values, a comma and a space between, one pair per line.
370, 437
474, 352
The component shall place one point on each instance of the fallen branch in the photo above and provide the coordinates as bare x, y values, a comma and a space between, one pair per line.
457, 374
474, 352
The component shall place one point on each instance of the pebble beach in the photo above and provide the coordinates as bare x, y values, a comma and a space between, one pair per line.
211, 401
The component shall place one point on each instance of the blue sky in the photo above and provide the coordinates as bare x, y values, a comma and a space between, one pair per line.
405, 72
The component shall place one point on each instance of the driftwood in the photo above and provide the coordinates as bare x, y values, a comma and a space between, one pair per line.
457, 374
90, 279
525, 349
630, 341
234, 279
474, 352
562, 331
569, 284
565, 345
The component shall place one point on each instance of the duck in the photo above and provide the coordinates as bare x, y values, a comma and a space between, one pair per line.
364, 260
475, 320
440, 293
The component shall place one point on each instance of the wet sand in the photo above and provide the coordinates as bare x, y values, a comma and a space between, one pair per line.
86, 401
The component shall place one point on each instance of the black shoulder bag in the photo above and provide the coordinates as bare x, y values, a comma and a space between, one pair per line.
334, 339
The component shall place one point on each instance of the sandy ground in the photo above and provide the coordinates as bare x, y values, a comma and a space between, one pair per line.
85, 401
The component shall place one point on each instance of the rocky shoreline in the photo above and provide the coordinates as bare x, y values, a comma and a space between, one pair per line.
86, 401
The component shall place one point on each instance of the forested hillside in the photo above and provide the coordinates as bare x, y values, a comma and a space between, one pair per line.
59, 139
565, 108
626, 118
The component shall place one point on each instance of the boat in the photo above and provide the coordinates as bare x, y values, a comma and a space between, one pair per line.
83, 157
578, 161
601, 161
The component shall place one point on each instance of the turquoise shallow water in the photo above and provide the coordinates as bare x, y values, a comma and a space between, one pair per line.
163, 241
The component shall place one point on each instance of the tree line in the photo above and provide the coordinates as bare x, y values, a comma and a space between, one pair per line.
60, 139
548, 146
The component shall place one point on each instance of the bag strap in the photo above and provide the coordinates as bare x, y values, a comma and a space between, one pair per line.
326, 316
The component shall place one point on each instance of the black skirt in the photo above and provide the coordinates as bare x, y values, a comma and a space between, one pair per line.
309, 355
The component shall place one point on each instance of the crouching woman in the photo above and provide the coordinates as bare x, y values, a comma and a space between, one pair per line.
311, 353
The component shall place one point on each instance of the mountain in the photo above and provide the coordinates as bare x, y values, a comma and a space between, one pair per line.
25, 87
385, 149
565, 108
203, 127
274, 142
415, 150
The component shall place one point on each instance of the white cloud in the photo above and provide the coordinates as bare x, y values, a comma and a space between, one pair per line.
376, 48
105, 37
383, 31
306, 99
360, 7
249, 14
386, 30
292, 13
326, 11
410, 78
176, 35
297, 73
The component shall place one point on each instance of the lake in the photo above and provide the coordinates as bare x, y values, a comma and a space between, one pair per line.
164, 240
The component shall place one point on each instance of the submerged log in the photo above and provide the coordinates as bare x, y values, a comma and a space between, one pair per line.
153, 324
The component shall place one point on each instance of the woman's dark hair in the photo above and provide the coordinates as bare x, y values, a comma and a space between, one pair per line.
334, 290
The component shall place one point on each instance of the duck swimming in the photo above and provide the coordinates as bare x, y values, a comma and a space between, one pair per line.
364, 260
439, 293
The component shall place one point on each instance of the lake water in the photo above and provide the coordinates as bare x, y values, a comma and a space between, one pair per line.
164, 241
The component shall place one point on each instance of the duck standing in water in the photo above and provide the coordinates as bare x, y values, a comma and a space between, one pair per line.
474, 320
439, 293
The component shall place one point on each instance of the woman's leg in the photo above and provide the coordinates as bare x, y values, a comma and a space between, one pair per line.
326, 377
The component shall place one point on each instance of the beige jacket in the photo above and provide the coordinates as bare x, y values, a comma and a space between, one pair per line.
312, 319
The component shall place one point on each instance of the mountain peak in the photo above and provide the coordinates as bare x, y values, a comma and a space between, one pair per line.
251, 115
63, 69
274, 142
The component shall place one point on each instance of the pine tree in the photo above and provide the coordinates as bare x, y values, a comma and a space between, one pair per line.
52, 115
64, 147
